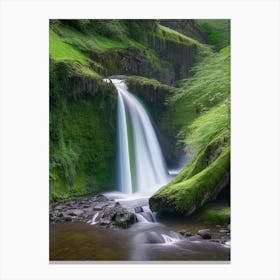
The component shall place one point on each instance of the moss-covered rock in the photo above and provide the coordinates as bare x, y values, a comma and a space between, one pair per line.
82, 131
215, 214
188, 195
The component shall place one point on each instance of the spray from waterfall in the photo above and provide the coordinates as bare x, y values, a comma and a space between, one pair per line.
141, 166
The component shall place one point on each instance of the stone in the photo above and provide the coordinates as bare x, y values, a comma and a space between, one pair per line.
68, 219
58, 207
185, 233
204, 233
117, 215
223, 231
195, 237
100, 206
75, 212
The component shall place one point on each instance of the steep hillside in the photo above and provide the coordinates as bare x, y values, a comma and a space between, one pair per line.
202, 112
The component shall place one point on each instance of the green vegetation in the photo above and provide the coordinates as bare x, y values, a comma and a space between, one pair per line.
143, 81
202, 111
218, 31
214, 214
174, 36
83, 107
82, 131
60, 50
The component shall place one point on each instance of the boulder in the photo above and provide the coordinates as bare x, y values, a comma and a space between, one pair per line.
204, 233
75, 212
117, 215
185, 233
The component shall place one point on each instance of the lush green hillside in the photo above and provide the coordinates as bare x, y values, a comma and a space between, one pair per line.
184, 84
202, 110
83, 107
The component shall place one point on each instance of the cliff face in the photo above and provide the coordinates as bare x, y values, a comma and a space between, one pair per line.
132, 61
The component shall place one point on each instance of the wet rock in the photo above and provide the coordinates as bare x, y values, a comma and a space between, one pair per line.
68, 219
58, 207
185, 233
215, 240
204, 233
223, 231
100, 198
195, 237
61, 215
118, 216
100, 206
75, 212
138, 209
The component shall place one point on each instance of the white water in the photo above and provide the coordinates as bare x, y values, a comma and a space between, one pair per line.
93, 221
141, 166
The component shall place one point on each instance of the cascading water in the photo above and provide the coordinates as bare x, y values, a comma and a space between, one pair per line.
141, 166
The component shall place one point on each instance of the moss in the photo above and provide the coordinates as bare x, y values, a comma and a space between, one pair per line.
190, 194
82, 131
214, 214
143, 81
121, 224
169, 34
61, 50
218, 31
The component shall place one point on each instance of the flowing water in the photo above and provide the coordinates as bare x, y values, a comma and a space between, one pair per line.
141, 165
141, 171
149, 239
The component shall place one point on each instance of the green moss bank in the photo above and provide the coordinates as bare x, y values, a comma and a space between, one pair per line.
82, 131
214, 213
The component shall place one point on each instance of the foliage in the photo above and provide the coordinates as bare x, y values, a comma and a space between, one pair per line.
169, 34
202, 111
218, 31
215, 214
207, 87
143, 81
82, 118
61, 50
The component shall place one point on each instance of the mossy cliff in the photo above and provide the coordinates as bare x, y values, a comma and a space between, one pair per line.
202, 111
82, 131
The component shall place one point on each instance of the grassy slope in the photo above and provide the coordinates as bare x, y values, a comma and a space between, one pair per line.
218, 31
202, 110
143, 81
67, 42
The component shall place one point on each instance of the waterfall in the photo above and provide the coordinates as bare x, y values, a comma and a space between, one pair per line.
141, 166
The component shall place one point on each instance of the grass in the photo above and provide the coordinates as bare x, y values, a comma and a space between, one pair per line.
207, 87
60, 50
148, 82
202, 108
218, 31
174, 36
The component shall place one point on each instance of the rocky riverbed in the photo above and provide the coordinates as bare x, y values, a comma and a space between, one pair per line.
108, 212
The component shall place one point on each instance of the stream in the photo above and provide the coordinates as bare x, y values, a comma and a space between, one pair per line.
150, 239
